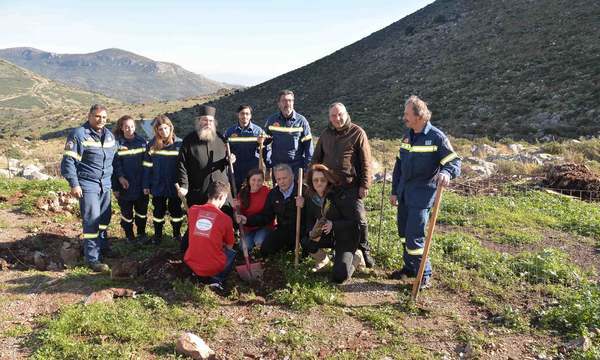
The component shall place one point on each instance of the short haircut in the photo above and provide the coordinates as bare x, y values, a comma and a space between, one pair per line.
283, 167
243, 107
285, 92
337, 103
419, 107
97, 107
216, 189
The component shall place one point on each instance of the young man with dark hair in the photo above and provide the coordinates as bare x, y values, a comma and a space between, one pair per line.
210, 251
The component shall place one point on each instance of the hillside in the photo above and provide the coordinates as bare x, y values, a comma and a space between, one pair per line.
515, 68
21, 89
116, 73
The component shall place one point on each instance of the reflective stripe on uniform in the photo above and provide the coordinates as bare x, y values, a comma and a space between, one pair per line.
92, 143
131, 151
180, 219
306, 138
419, 148
158, 220
414, 252
448, 158
72, 154
285, 129
164, 152
139, 215
102, 227
90, 235
126, 219
243, 139
147, 163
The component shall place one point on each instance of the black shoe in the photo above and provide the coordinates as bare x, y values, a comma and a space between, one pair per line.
402, 274
177, 239
157, 239
425, 283
142, 239
216, 288
369, 262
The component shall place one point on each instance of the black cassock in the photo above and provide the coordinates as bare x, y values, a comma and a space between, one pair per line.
200, 163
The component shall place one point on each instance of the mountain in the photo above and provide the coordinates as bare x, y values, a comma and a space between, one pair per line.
116, 73
513, 68
21, 89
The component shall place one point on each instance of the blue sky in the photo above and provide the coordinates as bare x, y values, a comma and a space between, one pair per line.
237, 41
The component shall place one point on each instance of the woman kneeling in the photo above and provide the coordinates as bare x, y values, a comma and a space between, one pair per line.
331, 221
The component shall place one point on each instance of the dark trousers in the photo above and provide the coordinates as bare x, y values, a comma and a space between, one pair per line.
161, 204
283, 238
344, 245
363, 243
134, 211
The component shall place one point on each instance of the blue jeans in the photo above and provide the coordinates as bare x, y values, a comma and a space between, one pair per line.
220, 277
412, 223
256, 237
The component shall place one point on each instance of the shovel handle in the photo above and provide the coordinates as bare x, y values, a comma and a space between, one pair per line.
430, 228
298, 220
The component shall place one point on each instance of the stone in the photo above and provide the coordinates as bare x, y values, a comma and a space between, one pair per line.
582, 343
108, 295
70, 252
40, 260
4, 265
516, 148
483, 150
193, 346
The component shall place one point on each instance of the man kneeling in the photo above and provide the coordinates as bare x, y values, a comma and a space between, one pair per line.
209, 253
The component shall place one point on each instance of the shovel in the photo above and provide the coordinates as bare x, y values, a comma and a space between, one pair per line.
249, 271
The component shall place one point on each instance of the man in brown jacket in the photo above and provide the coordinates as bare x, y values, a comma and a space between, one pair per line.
344, 148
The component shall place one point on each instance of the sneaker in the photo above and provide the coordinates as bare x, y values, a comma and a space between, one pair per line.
402, 274
321, 260
99, 267
368, 259
358, 261
177, 239
216, 287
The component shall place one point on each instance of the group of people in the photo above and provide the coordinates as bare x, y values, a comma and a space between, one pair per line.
203, 170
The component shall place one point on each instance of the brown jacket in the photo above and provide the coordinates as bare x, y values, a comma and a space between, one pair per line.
347, 153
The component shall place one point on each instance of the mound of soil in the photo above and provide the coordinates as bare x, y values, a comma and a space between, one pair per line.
576, 177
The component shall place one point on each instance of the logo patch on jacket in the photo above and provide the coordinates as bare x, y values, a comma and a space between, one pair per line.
405, 140
234, 135
69, 145
427, 142
276, 123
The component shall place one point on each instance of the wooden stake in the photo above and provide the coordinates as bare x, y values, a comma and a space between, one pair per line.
298, 220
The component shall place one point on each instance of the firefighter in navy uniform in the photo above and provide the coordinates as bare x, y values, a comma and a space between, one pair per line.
128, 179
87, 166
244, 139
426, 161
160, 177
291, 139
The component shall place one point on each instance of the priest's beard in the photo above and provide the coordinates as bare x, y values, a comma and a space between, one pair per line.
207, 134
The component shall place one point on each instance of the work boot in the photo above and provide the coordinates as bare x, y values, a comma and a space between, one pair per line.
321, 260
402, 274
368, 259
158, 230
157, 239
99, 267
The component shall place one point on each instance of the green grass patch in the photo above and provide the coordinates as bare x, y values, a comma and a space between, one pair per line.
382, 318
197, 294
303, 289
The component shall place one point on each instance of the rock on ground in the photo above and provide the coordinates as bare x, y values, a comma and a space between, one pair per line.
193, 346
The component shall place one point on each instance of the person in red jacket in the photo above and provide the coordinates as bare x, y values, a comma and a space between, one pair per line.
251, 201
210, 252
